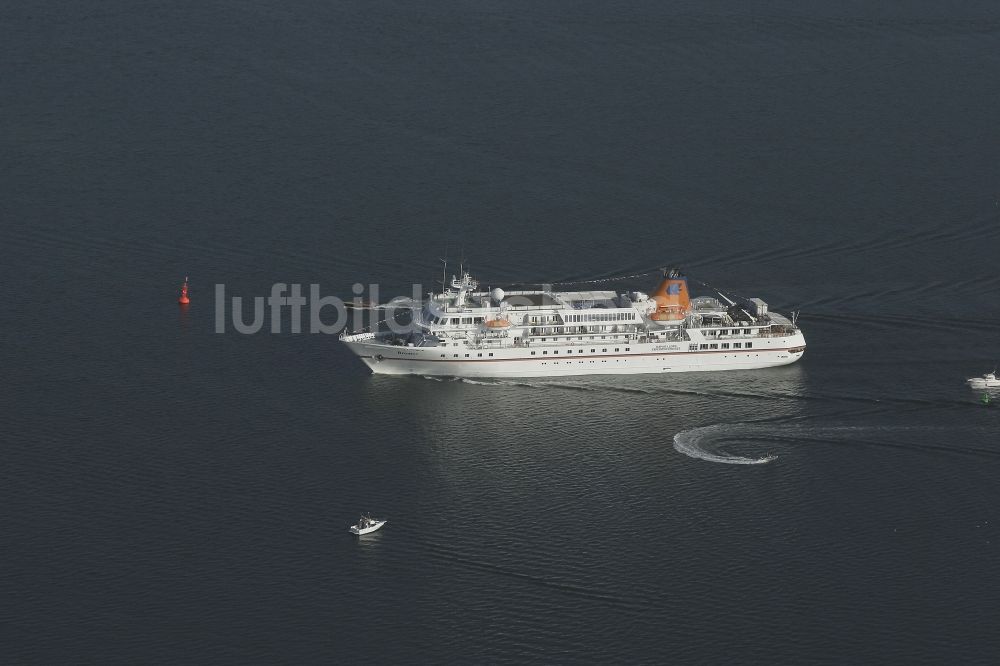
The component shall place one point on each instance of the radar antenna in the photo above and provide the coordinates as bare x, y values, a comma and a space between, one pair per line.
444, 273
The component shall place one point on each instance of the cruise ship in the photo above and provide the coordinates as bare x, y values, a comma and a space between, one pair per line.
468, 332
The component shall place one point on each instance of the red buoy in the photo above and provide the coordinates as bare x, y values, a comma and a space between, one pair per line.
184, 300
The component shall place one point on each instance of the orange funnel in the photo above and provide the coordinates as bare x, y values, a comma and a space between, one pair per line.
672, 298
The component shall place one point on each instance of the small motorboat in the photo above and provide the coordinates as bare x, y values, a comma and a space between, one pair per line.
366, 525
989, 380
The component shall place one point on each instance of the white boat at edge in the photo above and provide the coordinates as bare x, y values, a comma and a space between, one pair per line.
466, 332
989, 380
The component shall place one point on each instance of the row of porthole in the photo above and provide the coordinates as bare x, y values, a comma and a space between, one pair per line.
617, 360
580, 351
571, 351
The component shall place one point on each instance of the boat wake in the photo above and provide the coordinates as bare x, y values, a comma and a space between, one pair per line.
707, 442
474, 382
701, 443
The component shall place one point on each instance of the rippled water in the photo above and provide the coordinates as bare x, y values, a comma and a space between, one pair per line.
173, 495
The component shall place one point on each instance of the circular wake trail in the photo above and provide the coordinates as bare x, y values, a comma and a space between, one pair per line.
695, 443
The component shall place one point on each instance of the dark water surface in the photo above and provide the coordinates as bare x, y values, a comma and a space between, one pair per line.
170, 495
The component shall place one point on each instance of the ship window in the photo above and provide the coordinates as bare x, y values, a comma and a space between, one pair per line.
704, 346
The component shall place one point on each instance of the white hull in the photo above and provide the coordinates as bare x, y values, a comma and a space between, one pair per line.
367, 530
984, 384
642, 358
